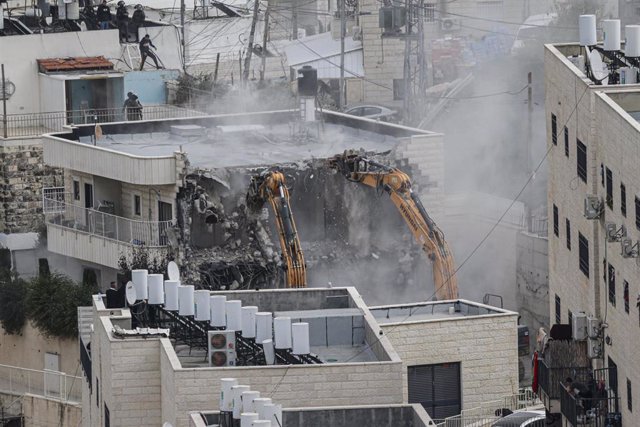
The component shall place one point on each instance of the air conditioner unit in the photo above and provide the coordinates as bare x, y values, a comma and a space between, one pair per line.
613, 234
593, 327
579, 326
448, 24
592, 207
629, 249
222, 348
594, 349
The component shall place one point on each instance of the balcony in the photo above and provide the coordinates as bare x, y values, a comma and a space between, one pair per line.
549, 380
99, 237
590, 412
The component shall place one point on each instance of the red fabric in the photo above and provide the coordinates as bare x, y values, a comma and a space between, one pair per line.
534, 385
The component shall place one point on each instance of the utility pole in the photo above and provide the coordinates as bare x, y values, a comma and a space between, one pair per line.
421, 60
529, 199
4, 103
294, 19
407, 63
265, 39
252, 34
343, 31
182, 33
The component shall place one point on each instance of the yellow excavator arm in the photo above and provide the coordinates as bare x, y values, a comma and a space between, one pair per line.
397, 184
270, 186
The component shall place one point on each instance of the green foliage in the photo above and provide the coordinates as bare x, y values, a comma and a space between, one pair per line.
52, 304
13, 295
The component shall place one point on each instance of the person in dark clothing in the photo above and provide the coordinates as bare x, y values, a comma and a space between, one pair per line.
104, 15
145, 50
138, 20
132, 107
122, 18
89, 15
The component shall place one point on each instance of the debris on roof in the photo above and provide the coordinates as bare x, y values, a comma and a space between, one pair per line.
85, 63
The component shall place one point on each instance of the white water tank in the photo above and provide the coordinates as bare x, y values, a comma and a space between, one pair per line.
218, 312
611, 29
185, 300
247, 400
237, 399
1, 16
282, 329
202, 310
264, 326
587, 29
139, 279
249, 321
247, 419
261, 423
226, 394
628, 75
273, 413
269, 352
632, 41
300, 332
155, 284
258, 404
234, 315
171, 295
32, 12
73, 10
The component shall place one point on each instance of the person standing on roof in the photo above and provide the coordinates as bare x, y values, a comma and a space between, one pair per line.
145, 50
122, 18
138, 20
132, 107
104, 15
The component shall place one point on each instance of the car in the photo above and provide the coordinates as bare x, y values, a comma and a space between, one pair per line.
522, 419
375, 112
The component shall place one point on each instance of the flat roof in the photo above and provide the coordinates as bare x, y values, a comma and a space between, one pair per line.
435, 310
254, 145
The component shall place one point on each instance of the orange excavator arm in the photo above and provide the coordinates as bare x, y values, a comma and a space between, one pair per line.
398, 185
270, 186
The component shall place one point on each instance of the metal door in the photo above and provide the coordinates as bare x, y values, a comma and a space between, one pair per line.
436, 388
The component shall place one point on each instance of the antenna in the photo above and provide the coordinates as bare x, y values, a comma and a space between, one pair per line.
130, 292
173, 271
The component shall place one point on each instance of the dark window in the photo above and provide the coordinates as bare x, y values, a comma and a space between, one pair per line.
625, 291
436, 388
558, 308
602, 174
398, 89
554, 129
568, 224
107, 416
556, 226
570, 318
637, 203
136, 205
566, 141
76, 190
429, 12
583, 254
581, 151
609, 176
43, 267
97, 392
612, 284
629, 396
613, 375
623, 199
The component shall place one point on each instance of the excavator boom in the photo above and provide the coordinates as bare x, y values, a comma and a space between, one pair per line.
398, 185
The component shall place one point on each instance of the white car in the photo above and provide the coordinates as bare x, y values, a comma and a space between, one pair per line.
522, 419
375, 112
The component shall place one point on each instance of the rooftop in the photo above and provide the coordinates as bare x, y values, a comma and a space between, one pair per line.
436, 310
88, 63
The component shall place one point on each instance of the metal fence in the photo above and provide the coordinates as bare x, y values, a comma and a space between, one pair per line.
549, 379
34, 124
108, 226
588, 412
50, 384
53, 199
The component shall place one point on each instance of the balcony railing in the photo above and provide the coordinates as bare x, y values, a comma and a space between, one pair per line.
108, 226
549, 378
85, 360
50, 384
589, 411
34, 124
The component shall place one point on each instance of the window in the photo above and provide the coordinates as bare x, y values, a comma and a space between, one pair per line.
43, 267
107, 416
558, 308
76, 189
429, 12
581, 150
568, 226
583, 254
556, 226
612, 284
398, 89
370, 111
136, 205
629, 396
570, 318
625, 290
623, 200
566, 141
436, 388
609, 181
97, 392
554, 129
637, 203
602, 174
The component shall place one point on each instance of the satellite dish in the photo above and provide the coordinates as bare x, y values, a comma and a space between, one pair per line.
130, 291
598, 68
173, 271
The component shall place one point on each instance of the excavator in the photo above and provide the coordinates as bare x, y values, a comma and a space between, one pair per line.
397, 184
270, 186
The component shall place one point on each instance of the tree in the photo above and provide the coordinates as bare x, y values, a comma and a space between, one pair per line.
13, 295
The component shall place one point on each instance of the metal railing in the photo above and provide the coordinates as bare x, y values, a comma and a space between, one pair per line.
485, 414
85, 360
53, 199
549, 378
108, 226
588, 411
49, 384
34, 124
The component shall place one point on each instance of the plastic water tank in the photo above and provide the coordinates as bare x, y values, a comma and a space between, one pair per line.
269, 352
264, 326
249, 321
258, 405
237, 399
186, 306
261, 423
73, 10
282, 329
247, 400
202, 310
171, 295
632, 45
587, 29
247, 419
226, 394
273, 413
218, 311
139, 279
300, 332
1, 16
234, 315
611, 29
155, 284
